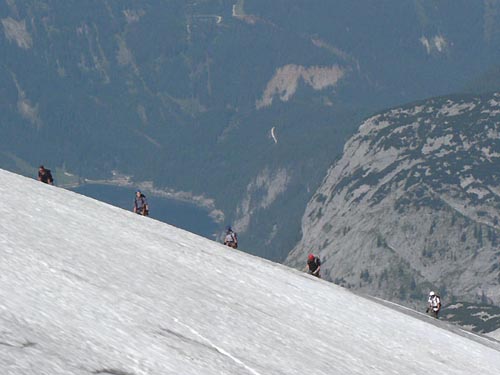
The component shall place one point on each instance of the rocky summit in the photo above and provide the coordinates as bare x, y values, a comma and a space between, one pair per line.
413, 204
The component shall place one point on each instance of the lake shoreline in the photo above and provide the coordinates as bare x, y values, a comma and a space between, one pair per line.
181, 213
200, 201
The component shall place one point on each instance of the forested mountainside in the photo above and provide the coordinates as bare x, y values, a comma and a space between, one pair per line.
241, 105
413, 205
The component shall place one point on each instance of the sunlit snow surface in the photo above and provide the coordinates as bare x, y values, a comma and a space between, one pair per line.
87, 288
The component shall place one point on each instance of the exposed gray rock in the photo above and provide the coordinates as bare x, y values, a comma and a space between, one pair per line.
413, 205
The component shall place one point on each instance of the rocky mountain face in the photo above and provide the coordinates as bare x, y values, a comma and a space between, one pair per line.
239, 104
413, 204
477, 317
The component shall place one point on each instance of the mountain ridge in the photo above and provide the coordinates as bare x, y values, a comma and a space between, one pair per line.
167, 92
413, 203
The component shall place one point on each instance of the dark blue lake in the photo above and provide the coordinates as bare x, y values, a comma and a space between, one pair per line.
180, 214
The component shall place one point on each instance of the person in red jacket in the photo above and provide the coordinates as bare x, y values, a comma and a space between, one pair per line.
313, 265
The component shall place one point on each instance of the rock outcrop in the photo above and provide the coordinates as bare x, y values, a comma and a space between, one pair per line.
413, 204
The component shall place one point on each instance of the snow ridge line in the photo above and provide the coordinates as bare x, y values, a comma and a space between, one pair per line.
220, 350
483, 339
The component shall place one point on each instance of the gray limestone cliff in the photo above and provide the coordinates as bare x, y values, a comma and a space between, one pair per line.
413, 204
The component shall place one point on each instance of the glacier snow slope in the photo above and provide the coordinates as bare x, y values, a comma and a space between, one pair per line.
87, 288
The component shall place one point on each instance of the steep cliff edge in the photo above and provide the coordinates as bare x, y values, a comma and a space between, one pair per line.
413, 204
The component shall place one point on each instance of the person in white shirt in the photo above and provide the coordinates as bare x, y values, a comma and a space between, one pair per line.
231, 238
434, 304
